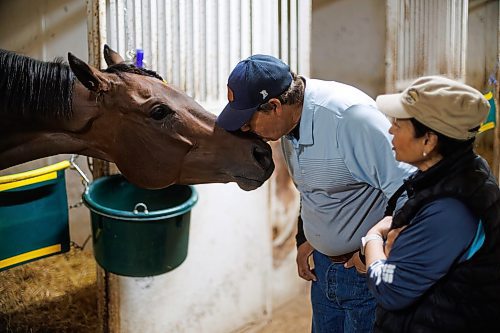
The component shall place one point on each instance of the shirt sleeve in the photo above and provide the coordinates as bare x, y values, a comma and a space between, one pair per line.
424, 252
365, 143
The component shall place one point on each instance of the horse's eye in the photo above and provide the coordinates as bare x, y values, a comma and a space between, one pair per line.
160, 112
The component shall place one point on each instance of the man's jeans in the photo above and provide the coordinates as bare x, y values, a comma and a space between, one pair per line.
340, 298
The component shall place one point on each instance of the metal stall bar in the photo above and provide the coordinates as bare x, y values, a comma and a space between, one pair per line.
425, 37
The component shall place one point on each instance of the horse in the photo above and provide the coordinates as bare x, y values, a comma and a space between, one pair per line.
155, 133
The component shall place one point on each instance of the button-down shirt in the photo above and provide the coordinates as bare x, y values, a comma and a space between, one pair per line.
342, 164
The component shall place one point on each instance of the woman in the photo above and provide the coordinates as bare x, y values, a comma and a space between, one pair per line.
435, 265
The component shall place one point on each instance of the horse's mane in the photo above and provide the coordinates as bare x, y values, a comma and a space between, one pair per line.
34, 89
129, 68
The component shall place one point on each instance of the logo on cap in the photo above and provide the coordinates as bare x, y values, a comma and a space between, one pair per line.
230, 95
264, 94
412, 96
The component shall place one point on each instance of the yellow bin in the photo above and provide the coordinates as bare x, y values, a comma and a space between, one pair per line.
33, 215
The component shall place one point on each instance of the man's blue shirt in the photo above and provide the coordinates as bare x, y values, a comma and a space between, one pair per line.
343, 165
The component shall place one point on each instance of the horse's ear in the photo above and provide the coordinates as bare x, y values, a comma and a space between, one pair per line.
112, 57
90, 77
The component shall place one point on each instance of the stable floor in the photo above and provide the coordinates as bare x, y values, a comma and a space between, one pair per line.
292, 317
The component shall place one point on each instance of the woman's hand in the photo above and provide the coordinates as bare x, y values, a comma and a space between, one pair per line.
382, 227
374, 250
391, 237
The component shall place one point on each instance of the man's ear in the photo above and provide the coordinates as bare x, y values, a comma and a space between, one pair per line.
90, 77
112, 57
277, 107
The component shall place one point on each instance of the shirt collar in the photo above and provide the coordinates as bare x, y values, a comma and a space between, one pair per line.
306, 118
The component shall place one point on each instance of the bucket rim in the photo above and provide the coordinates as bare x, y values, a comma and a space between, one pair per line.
97, 208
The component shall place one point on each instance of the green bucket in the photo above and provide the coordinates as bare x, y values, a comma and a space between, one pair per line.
138, 232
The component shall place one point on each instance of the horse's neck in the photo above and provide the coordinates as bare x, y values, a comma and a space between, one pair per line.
24, 140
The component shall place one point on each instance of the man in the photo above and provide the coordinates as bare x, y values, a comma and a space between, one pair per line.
338, 151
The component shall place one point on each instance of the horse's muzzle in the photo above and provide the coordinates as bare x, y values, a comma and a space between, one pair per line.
264, 157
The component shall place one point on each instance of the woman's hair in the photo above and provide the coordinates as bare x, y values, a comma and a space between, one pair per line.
293, 95
446, 145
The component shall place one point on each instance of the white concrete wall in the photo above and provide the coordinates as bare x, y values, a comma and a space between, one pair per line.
348, 43
225, 281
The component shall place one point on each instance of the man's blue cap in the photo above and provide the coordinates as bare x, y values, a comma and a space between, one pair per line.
253, 82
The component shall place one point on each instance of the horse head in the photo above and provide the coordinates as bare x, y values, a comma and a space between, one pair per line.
155, 133
158, 135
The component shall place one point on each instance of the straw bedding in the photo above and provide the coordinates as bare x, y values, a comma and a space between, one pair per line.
55, 294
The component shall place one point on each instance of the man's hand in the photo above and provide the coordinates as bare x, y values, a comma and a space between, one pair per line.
357, 263
304, 251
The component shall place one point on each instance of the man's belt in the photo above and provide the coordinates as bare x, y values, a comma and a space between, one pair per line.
342, 258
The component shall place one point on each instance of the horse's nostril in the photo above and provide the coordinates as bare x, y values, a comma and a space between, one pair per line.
262, 156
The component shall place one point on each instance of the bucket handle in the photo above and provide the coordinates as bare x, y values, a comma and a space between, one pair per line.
141, 205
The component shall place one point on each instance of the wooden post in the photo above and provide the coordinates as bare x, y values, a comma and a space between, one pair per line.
107, 284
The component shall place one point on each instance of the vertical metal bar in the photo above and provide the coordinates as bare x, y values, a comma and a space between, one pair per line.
284, 33
120, 26
451, 42
436, 63
304, 22
404, 40
199, 52
151, 52
212, 50
223, 33
411, 49
391, 44
182, 39
246, 29
293, 35
421, 39
189, 47
452, 45
260, 26
274, 47
463, 40
234, 33
169, 41
162, 40
130, 25
112, 25
145, 20
176, 53
137, 18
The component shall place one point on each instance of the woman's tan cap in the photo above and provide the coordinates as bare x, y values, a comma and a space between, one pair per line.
446, 106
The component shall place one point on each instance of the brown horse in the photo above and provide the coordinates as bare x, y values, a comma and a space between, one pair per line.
153, 132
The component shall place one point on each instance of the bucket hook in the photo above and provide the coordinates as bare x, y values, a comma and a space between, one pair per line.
141, 205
